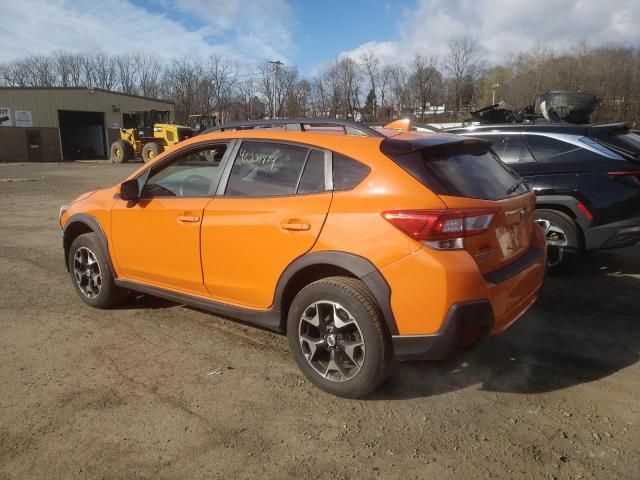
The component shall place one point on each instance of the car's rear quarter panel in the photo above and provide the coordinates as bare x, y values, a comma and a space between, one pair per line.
355, 223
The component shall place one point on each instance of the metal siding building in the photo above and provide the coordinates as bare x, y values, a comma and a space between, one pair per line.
55, 124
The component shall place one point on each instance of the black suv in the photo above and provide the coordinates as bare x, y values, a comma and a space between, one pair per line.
586, 177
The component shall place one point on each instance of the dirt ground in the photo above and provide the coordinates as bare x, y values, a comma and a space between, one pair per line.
158, 390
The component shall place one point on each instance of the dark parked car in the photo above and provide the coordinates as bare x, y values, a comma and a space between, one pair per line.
586, 178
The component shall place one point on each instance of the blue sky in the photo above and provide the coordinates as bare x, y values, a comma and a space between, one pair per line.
329, 27
309, 33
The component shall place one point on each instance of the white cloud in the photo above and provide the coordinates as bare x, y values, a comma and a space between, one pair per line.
509, 26
247, 31
387, 52
259, 28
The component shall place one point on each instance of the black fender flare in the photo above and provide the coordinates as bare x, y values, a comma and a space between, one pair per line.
569, 205
358, 266
566, 201
94, 225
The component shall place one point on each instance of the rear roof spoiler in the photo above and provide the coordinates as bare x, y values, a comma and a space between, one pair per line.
403, 124
400, 145
608, 128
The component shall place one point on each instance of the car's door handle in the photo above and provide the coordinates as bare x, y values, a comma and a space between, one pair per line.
295, 225
188, 219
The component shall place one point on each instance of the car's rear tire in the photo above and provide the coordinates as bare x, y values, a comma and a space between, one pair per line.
91, 274
120, 152
150, 151
564, 242
338, 338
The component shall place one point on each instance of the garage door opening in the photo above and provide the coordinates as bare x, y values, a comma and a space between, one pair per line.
82, 135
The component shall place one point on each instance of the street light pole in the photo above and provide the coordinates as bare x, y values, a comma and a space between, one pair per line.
493, 88
276, 65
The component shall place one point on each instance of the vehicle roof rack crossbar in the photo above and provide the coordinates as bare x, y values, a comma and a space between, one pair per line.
300, 124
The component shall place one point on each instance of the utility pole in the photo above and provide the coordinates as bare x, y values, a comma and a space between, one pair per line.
493, 89
276, 66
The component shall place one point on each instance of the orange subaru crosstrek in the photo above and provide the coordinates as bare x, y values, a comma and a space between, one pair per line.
363, 245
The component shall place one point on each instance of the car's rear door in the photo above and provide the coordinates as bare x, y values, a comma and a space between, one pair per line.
157, 240
271, 205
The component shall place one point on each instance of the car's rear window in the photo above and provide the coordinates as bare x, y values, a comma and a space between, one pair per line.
621, 141
629, 139
463, 170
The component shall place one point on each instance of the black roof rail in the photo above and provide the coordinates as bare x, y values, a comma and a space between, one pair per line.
299, 124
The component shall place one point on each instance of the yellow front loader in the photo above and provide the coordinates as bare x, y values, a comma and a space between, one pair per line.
146, 134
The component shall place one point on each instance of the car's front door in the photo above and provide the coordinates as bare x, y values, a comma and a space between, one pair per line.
270, 208
157, 240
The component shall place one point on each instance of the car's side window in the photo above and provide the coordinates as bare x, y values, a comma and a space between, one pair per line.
267, 169
193, 174
510, 148
313, 177
544, 147
347, 173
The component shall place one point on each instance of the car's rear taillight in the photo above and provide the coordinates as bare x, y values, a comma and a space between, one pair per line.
629, 177
634, 172
441, 229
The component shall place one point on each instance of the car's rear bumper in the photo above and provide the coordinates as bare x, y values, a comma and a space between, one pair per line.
464, 319
614, 235
507, 294
467, 323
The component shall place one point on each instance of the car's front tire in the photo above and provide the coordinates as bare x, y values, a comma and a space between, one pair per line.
91, 274
564, 242
338, 338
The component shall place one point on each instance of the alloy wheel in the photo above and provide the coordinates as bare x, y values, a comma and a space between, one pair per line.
556, 241
86, 271
331, 341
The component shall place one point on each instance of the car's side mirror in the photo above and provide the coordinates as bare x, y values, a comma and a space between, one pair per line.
130, 190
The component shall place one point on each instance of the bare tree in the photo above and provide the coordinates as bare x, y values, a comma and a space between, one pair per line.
611, 72
148, 71
221, 77
37, 71
127, 71
426, 82
246, 91
385, 83
180, 83
275, 82
348, 75
319, 98
104, 71
266, 86
461, 63
371, 63
400, 92
334, 92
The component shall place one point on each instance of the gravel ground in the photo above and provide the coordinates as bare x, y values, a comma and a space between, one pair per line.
158, 390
